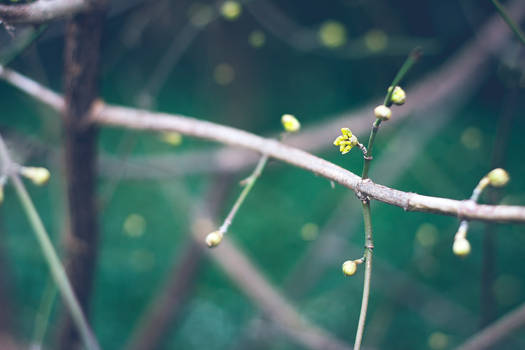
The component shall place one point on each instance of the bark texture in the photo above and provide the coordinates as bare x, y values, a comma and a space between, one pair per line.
82, 50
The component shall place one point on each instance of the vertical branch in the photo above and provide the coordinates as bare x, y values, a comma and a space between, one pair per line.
82, 49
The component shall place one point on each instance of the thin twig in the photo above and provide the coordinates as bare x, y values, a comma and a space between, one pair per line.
368, 275
249, 182
57, 269
369, 242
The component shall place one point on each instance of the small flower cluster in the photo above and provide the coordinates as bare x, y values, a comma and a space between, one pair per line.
346, 141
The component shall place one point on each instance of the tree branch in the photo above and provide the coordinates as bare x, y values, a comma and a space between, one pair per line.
42, 10
144, 120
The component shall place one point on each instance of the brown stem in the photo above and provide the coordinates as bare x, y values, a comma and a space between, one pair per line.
83, 34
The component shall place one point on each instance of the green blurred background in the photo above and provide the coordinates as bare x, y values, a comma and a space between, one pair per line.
315, 60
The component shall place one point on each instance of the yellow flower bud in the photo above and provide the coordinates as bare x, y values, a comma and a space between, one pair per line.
461, 247
214, 238
398, 95
1, 194
290, 123
349, 267
498, 177
39, 176
346, 141
382, 112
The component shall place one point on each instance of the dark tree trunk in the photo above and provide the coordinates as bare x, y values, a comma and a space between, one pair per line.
82, 50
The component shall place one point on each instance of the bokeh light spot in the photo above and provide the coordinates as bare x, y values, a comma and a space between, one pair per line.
223, 74
426, 235
332, 34
376, 40
471, 138
231, 10
134, 225
438, 341
309, 231
257, 38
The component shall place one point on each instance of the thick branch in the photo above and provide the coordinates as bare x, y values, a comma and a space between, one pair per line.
42, 10
144, 120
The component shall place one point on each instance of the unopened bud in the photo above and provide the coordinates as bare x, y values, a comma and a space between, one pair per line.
290, 123
213, 239
398, 95
39, 176
461, 247
498, 177
382, 112
349, 267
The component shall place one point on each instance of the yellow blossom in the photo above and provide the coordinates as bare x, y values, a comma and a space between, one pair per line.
346, 141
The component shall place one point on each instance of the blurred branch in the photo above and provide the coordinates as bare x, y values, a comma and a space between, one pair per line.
181, 279
33, 89
456, 77
104, 114
167, 303
307, 39
499, 155
513, 26
499, 330
43, 10
459, 75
